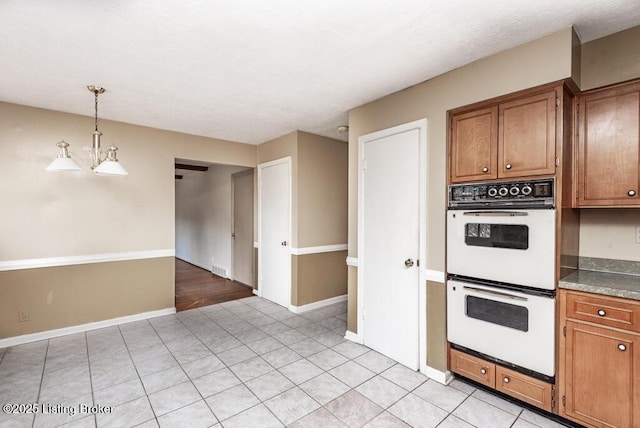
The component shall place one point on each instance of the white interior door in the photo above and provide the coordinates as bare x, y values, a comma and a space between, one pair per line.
242, 232
274, 255
390, 242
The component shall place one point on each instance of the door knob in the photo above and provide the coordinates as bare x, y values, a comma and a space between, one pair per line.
283, 243
408, 263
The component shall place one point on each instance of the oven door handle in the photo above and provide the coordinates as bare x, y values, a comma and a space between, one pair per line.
495, 293
496, 213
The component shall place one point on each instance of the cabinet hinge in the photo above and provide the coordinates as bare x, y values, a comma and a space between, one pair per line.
564, 401
418, 262
557, 162
564, 331
364, 164
557, 101
553, 396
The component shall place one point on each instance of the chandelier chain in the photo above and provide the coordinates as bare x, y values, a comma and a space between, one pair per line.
96, 104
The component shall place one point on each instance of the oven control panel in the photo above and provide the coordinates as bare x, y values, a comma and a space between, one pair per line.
516, 193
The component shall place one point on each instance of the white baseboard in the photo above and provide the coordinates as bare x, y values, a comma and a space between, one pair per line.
439, 376
255, 291
434, 275
320, 249
349, 335
49, 334
317, 305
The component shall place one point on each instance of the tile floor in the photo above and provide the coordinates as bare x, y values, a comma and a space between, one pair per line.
246, 363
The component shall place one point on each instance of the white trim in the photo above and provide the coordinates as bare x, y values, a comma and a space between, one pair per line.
255, 291
352, 261
201, 266
354, 337
421, 126
256, 244
316, 305
434, 275
444, 378
34, 337
84, 259
319, 249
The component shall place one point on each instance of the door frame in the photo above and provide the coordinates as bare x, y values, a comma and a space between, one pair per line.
284, 160
233, 220
421, 126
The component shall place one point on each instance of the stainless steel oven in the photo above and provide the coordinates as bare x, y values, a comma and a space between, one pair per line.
501, 272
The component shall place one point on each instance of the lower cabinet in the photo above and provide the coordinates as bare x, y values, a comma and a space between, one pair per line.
515, 384
600, 379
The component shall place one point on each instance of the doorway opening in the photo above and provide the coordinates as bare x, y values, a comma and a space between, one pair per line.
213, 233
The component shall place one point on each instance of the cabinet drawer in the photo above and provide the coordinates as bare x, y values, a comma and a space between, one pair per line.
524, 388
609, 311
473, 368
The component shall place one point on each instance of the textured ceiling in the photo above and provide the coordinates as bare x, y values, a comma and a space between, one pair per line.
252, 70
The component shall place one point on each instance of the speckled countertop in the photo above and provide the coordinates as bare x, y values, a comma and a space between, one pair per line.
610, 284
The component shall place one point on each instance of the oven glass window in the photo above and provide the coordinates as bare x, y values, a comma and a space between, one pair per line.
505, 314
515, 236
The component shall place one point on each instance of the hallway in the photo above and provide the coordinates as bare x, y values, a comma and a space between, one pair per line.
197, 287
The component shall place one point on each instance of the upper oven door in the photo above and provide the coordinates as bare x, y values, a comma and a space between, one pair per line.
512, 246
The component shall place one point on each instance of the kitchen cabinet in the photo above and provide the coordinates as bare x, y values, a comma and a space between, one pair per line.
512, 139
507, 381
609, 146
599, 377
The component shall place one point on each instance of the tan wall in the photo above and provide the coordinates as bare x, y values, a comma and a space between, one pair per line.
542, 61
436, 316
352, 299
319, 276
322, 187
73, 214
610, 233
611, 59
59, 297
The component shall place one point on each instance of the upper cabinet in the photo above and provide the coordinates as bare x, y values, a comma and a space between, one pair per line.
609, 146
510, 139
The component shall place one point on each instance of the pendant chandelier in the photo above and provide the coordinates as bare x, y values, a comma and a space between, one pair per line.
107, 165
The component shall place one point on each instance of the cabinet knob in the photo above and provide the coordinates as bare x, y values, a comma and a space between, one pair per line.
631, 193
622, 347
505, 379
485, 169
508, 166
602, 312
483, 370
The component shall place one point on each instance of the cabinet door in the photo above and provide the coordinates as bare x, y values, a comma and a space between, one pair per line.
473, 145
473, 368
527, 136
609, 147
601, 376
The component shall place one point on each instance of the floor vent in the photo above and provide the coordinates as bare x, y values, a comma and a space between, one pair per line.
220, 271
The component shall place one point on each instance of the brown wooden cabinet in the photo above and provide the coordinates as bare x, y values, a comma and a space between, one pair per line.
515, 384
599, 376
609, 146
509, 139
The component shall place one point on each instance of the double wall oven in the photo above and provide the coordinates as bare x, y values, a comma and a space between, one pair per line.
501, 273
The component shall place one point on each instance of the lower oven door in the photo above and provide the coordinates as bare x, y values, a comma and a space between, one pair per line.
510, 246
508, 325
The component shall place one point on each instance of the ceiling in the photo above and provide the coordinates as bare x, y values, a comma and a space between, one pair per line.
253, 70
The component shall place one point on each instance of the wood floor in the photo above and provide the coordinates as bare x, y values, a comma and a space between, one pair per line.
196, 287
